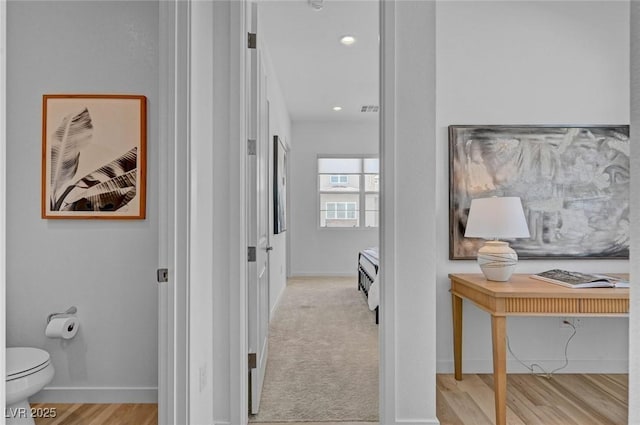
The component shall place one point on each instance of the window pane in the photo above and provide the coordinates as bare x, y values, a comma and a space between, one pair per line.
340, 179
339, 165
339, 183
331, 210
371, 165
339, 210
371, 183
371, 213
372, 218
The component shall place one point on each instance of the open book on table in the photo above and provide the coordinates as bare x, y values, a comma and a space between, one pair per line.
580, 280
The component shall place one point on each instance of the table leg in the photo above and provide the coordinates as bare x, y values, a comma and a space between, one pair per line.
457, 335
499, 331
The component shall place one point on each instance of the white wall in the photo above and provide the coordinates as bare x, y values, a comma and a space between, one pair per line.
105, 268
408, 245
529, 63
325, 251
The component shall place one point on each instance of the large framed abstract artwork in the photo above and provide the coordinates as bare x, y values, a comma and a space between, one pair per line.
93, 156
573, 182
279, 186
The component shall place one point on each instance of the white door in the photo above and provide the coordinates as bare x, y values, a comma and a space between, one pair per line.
258, 222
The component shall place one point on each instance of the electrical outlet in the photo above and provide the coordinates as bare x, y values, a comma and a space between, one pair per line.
568, 322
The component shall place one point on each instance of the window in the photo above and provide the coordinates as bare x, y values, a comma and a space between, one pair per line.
345, 186
341, 210
339, 180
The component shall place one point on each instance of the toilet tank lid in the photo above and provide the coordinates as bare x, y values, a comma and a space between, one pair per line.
21, 359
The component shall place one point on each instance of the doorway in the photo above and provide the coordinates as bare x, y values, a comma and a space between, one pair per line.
321, 65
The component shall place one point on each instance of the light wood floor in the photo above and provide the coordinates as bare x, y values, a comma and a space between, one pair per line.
99, 414
565, 399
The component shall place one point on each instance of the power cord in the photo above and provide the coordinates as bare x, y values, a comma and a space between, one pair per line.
533, 366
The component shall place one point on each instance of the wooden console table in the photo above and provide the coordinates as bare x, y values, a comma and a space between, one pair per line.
524, 296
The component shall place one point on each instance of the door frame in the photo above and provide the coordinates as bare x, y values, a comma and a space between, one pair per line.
3, 194
173, 296
386, 231
192, 120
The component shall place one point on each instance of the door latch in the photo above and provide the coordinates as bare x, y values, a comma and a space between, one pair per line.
162, 275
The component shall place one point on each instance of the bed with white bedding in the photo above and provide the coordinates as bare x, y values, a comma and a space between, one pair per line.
368, 282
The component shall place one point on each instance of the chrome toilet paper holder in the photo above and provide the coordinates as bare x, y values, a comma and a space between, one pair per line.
70, 311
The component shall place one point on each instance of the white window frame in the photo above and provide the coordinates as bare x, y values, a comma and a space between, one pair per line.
336, 210
362, 193
339, 179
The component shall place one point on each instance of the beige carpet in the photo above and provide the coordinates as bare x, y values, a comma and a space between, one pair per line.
323, 355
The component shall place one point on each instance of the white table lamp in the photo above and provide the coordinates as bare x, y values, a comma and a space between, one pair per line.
497, 218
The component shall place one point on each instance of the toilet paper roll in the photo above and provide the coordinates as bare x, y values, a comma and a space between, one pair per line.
62, 327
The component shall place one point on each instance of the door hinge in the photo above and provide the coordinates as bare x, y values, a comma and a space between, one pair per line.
253, 362
251, 254
252, 147
162, 275
253, 40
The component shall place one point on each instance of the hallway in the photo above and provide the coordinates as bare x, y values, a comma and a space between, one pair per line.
323, 355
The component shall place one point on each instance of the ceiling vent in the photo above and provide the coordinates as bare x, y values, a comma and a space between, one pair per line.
369, 108
316, 4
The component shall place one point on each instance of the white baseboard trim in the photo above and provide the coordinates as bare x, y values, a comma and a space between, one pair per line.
320, 274
574, 366
97, 395
434, 421
277, 303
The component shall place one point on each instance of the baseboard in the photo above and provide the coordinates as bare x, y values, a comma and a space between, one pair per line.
434, 421
277, 303
574, 366
96, 395
321, 274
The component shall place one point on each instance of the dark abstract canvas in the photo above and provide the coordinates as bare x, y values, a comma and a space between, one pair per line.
279, 186
573, 182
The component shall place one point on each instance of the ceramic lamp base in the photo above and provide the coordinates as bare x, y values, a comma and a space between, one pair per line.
497, 260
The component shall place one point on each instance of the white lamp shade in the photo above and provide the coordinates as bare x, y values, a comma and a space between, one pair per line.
496, 218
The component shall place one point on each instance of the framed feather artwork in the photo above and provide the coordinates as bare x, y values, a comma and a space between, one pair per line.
93, 156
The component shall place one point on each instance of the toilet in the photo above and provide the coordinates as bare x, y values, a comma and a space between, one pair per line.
28, 371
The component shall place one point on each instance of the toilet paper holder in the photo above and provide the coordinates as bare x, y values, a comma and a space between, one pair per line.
70, 311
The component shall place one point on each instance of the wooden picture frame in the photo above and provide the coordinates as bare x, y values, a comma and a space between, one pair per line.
573, 182
279, 186
94, 156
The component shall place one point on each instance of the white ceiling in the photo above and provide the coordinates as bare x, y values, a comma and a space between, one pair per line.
315, 71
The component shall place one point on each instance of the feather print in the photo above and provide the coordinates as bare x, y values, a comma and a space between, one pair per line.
108, 188
103, 201
72, 135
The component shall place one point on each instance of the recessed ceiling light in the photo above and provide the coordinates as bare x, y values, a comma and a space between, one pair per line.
347, 40
337, 108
